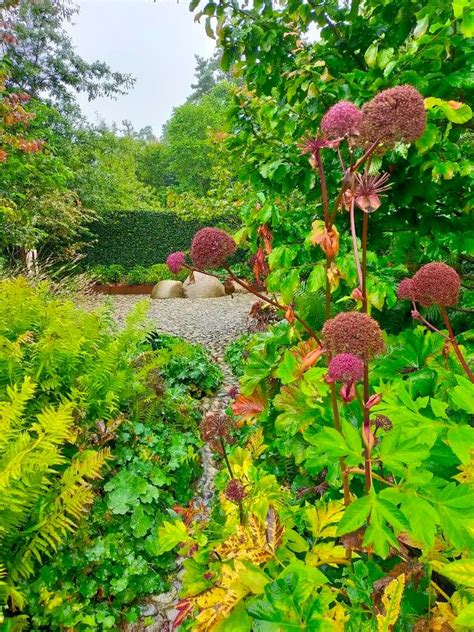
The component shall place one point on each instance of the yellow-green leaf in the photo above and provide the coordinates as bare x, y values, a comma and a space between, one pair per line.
391, 601
460, 571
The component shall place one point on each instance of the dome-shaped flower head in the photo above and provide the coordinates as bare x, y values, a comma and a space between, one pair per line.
345, 367
235, 491
405, 290
396, 114
175, 262
211, 247
436, 284
355, 333
342, 119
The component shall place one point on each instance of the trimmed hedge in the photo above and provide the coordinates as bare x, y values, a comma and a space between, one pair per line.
131, 238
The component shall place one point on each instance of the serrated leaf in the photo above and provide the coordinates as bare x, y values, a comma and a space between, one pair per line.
170, 534
391, 601
355, 515
461, 572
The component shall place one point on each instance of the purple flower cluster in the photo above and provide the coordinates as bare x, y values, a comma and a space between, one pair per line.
345, 367
175, 262
354, 333
434, 284
211, 247
342, 119
396, 114
235, 491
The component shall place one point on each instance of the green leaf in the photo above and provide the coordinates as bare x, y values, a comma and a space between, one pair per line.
461, 572
461, 442
288, 368
454, 111
370, 55
170, 534
467, 25
462, 395
466, 616
355, 515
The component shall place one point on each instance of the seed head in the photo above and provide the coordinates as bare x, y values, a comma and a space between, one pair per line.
235, 491
346, 368
436, 284
216, 426
211, 247
406, 291
355, 333
396, 114
382, 421
175, 262
342, 119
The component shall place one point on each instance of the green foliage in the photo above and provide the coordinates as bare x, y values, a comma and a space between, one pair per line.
58, 365
236, 354
114, 560
136, 276
181, 363
71, 384
139, 238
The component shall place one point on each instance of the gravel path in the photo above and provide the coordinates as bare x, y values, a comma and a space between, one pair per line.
213, 322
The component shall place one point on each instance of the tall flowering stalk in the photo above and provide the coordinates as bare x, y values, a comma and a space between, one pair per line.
353, 339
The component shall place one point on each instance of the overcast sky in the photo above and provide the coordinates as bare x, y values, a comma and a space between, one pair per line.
154, 41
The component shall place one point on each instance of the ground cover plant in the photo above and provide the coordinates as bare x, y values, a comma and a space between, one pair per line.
99, 444
347, 502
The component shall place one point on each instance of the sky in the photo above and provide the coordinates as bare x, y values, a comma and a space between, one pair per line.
154, 41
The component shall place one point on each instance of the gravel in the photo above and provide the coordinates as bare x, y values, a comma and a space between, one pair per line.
213, 322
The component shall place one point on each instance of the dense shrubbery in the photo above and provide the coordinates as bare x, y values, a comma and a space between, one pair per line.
82, 401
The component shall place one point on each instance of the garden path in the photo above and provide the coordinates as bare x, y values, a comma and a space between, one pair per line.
213, 323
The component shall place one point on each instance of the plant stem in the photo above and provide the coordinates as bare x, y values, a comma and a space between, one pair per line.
337, 426
224, 453
425, 322
324, 188
455, 345
279, 306
365, 226
354, 245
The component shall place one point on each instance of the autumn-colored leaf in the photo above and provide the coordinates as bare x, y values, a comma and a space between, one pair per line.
326, 238
249, 407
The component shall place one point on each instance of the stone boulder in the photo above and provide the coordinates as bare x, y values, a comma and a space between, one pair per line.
204, 286
168, 289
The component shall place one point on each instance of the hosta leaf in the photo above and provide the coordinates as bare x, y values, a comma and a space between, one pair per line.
391, 601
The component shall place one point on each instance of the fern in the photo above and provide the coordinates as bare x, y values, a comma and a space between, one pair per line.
43, 495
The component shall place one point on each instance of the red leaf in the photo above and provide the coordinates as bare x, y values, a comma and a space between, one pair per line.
248, 407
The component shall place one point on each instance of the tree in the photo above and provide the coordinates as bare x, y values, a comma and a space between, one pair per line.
361, 48
208, 73
42, 59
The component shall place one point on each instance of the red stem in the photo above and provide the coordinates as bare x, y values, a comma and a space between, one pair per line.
324, 188
455, 345
354, 245
365, 225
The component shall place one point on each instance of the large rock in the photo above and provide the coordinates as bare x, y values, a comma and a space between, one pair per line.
168, 289
204, 286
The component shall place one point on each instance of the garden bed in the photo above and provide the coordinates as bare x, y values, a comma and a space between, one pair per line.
123, 288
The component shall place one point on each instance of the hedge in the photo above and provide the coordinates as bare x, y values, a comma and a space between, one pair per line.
132, 238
